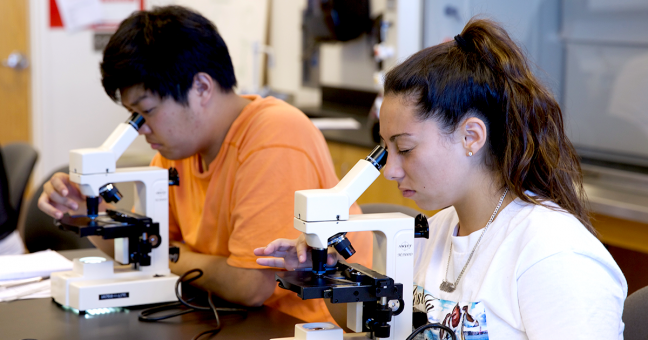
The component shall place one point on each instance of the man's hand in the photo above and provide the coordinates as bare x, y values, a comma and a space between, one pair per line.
243, 286
60, 196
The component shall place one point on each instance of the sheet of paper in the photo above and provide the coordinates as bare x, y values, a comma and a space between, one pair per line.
336, 123
116, 11
78, 14
42, 263
34, 290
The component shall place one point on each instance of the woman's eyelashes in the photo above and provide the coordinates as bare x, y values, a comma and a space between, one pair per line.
404, 151
400, 151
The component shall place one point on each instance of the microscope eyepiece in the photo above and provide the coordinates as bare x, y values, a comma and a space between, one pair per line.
136, 121
377, 157
421, 227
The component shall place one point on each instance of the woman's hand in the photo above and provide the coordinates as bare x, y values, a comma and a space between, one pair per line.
290, 254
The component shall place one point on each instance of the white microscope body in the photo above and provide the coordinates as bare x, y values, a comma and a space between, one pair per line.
96, 282
323, 213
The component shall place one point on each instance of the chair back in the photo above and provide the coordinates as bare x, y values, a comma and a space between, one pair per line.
634, 315
19, 160
8, 215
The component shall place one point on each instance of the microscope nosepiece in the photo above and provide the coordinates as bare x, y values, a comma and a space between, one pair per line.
319, 257
345, 248
342, 245
110, 193
92, 204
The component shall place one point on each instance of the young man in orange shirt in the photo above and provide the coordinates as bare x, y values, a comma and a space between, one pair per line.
240, 158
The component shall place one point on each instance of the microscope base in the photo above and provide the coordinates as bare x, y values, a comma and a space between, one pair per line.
96, 285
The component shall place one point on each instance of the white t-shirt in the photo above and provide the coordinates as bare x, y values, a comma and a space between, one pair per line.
537, 274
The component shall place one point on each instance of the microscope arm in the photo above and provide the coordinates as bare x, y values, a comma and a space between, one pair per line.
333, 204
103, 159
325, 205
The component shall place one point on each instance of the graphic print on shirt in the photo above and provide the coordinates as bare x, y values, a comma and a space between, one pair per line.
467, 319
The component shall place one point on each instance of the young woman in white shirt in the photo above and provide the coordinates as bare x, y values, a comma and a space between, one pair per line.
512, 255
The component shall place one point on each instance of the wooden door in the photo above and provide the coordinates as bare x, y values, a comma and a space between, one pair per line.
14, 83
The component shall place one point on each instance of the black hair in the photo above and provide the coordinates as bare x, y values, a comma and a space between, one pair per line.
483, 73
162, 50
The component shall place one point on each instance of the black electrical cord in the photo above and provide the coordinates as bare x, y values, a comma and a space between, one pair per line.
432, 325
185, 306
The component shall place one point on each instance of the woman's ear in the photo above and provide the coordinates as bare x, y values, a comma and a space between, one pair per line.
474, 134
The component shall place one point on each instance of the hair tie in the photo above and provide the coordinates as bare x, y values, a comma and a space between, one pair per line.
461, 42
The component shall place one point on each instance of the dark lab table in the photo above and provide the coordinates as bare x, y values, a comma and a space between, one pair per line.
42, 319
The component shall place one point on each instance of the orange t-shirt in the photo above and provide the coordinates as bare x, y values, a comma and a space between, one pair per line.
245, 200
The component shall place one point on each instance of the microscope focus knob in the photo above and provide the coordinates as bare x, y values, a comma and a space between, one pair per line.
174, 178
110, 193
421, 227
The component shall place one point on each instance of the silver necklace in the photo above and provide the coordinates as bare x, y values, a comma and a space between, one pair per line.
450, 287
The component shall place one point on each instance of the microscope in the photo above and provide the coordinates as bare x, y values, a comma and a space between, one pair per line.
379, 300
140, 237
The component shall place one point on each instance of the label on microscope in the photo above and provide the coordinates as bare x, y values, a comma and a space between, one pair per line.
405, 249
113, 296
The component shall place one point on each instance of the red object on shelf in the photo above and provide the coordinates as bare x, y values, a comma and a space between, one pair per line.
55, 16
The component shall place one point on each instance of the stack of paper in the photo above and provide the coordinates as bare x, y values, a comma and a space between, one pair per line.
26, 276
15, 289
42, 263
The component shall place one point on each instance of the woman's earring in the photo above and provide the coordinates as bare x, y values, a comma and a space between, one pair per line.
469, 153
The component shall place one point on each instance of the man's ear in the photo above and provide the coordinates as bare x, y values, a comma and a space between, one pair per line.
474, 135
204, 86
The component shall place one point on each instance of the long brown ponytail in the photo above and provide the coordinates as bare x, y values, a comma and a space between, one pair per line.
485, 74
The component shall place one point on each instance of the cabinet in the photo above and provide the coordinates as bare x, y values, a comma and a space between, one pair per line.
622, 233
345, 156
627, 242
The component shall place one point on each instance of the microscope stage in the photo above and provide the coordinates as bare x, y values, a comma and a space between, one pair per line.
113, 224
338, 285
